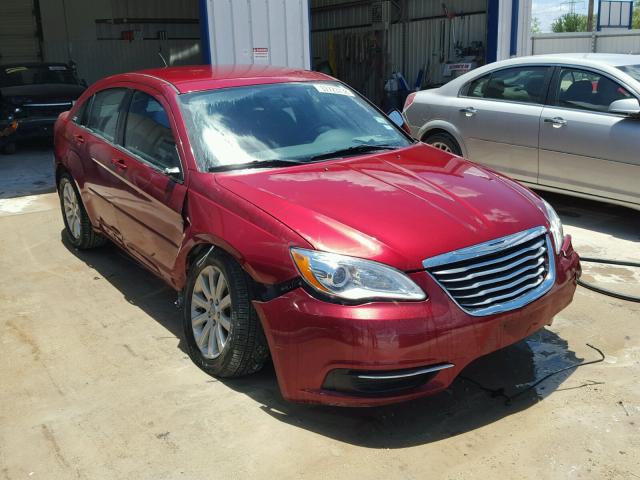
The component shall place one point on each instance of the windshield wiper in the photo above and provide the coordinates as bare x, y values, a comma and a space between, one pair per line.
273, 163
356, 149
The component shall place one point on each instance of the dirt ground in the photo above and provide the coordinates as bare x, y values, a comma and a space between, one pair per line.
95, 382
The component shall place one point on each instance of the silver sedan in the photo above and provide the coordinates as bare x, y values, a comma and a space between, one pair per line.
568, 123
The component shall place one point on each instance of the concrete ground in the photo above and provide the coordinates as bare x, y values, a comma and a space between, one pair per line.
95, 381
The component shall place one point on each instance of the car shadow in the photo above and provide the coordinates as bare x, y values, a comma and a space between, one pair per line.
138, 286
471, 402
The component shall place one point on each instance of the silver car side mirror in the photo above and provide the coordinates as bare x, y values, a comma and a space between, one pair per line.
626, 106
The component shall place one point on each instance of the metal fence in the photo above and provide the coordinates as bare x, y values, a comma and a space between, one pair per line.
600, 42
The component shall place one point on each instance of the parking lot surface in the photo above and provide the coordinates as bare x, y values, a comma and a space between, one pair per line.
96, 382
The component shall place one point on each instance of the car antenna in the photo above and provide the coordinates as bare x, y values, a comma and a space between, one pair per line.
163, 59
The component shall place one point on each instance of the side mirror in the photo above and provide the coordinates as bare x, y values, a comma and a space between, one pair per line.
627, 106
173, 172
396, 117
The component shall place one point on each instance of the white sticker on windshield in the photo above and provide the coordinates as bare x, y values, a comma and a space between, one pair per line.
333, 89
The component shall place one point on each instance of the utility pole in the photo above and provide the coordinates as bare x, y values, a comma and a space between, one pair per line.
590, 17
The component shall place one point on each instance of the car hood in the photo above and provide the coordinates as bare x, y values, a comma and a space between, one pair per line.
44, 93
399, 207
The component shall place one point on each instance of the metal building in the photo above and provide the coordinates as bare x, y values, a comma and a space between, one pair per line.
360, 41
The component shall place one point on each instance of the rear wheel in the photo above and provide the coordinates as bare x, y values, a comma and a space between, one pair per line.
222, 329
444, 142
76, 221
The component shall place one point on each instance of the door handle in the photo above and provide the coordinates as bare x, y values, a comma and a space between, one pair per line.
557, 122
469, 111
119, 163
78, 138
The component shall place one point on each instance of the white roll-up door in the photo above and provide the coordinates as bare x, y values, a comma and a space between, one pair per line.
18, 32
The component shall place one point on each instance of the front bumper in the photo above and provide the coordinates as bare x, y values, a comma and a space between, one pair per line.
310, 340
38, 127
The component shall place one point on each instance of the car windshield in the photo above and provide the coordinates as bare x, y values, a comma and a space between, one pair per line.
296, 122
633, 70
17, 75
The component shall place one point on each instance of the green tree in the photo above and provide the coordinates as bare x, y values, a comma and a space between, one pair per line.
535, 25
570, 22
636, 15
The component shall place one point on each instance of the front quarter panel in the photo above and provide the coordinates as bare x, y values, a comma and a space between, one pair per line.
259, 242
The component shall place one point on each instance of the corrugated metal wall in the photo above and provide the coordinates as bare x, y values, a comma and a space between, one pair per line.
601, 42
19, 40
70, 32
428, 37
425, 45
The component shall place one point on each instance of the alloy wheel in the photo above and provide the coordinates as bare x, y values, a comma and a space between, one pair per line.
71, 209
442, 146
211, 311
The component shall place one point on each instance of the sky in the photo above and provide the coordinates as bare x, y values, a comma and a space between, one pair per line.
548, 10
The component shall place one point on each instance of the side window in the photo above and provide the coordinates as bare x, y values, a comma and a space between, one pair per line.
477, 87
105, 107
147, 132
522, 84
586, 90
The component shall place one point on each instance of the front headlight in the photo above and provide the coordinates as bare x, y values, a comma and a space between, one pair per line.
555, 226
353, 278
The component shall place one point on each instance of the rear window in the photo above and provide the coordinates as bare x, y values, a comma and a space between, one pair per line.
633, 70
11, 76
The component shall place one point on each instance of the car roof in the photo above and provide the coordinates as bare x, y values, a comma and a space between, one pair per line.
194, 78
611, 59
602, 61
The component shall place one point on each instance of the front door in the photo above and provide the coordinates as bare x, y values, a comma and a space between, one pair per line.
151, 196
583, 147
498, 116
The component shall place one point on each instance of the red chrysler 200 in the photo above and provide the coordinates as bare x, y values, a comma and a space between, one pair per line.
298, 222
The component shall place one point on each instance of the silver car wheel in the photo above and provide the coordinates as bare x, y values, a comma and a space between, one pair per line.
71, 209
211, 312
442, 146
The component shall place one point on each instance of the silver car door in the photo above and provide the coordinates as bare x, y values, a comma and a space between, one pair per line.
498, 116
585, 149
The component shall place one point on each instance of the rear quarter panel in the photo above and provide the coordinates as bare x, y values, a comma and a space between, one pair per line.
430, 111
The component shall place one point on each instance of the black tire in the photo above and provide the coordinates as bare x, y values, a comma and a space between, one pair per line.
9, 148
440, 140
245, 350
86, 238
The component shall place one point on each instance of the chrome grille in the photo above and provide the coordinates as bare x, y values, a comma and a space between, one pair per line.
499, 275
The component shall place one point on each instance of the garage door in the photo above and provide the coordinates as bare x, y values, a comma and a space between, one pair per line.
18, 32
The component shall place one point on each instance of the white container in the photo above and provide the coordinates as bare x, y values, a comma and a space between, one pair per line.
265, 32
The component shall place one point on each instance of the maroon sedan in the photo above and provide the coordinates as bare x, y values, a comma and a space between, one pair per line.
299, 222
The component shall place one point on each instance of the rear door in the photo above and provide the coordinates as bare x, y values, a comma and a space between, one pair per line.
151, 195
498, 116
583, 147
95, 142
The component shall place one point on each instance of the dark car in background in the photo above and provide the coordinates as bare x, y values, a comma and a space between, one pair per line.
32, 95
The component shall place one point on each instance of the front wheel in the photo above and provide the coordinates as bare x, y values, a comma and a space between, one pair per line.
222, 329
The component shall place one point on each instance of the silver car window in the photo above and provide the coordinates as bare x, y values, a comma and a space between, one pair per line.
586, 90
519, 84
633, 70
